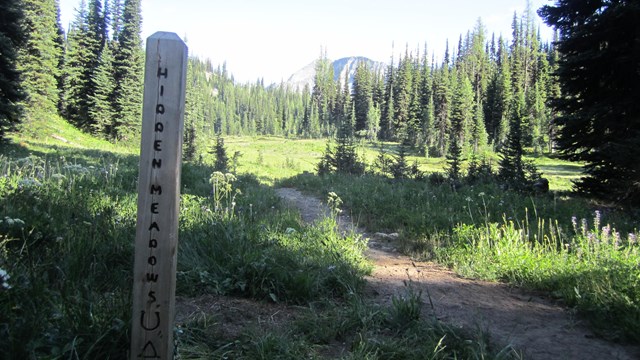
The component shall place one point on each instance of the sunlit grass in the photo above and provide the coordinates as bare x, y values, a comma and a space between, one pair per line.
272, 158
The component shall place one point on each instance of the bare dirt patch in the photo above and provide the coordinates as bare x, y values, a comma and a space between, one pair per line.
532, 323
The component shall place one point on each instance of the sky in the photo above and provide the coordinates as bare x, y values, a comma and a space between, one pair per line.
272, 39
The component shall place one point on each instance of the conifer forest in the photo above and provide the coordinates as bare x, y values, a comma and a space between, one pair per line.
472, 95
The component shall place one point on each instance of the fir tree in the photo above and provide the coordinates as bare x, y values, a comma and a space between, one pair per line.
599, 112
362, 97
344, 158
462, 113
11, 38
222, 159
387, 115
101, 99
442, 94
512, 168
479, 133
128, 63
39, 57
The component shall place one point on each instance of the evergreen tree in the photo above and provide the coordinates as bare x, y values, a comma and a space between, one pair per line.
512, 168
323, 96
599, 111
442, 109
499, 97
462, 113
39, 57
344, 158
128, 64
479, 133
222, 159
84, 45
11, 38
454, 157
403, 89
387, 114
101, 98
362, 97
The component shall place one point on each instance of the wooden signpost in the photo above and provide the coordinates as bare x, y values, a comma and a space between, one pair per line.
158, 198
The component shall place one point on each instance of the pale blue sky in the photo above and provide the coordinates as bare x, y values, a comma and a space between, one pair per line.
274, 38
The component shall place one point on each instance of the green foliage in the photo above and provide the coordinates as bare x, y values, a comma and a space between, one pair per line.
483, 231
594, 269
85, 43
396, 165
514, 171
69, 259
11, 38
67, 223
221, 159
343, 159
599, 78
39, 57
128, 73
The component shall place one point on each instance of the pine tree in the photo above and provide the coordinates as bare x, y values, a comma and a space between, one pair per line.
362, 97
454, 159
442, 109
101, 99
222, 159
462, 113
77, 70
499, 97
402, 98
479, 133
128, 64
387, 114
11, 38
512, 168
344, 158
599, 112
39, 57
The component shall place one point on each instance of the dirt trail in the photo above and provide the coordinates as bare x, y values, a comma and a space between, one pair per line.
531, 323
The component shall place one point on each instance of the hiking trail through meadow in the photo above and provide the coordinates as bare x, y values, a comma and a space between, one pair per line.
531, 323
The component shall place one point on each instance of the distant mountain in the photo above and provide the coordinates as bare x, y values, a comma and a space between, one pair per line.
305, 75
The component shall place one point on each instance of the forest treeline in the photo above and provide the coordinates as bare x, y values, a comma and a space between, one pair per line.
469, 102
92, 76
416, 100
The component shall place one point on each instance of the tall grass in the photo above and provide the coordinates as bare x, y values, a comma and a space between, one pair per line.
541, 242
594, 269
67, 228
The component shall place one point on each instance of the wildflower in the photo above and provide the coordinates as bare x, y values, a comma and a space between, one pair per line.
331, 268
605, 232
481, 194
596, 219
616, 238
468, 199
632, 238
574, 222
583, 226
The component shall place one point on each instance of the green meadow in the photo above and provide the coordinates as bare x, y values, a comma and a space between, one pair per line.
67, 225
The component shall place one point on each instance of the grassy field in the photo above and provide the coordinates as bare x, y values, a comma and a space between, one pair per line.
67, 228
276, 158
67, 220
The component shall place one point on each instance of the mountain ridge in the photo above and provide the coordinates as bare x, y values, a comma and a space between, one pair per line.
305, 75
